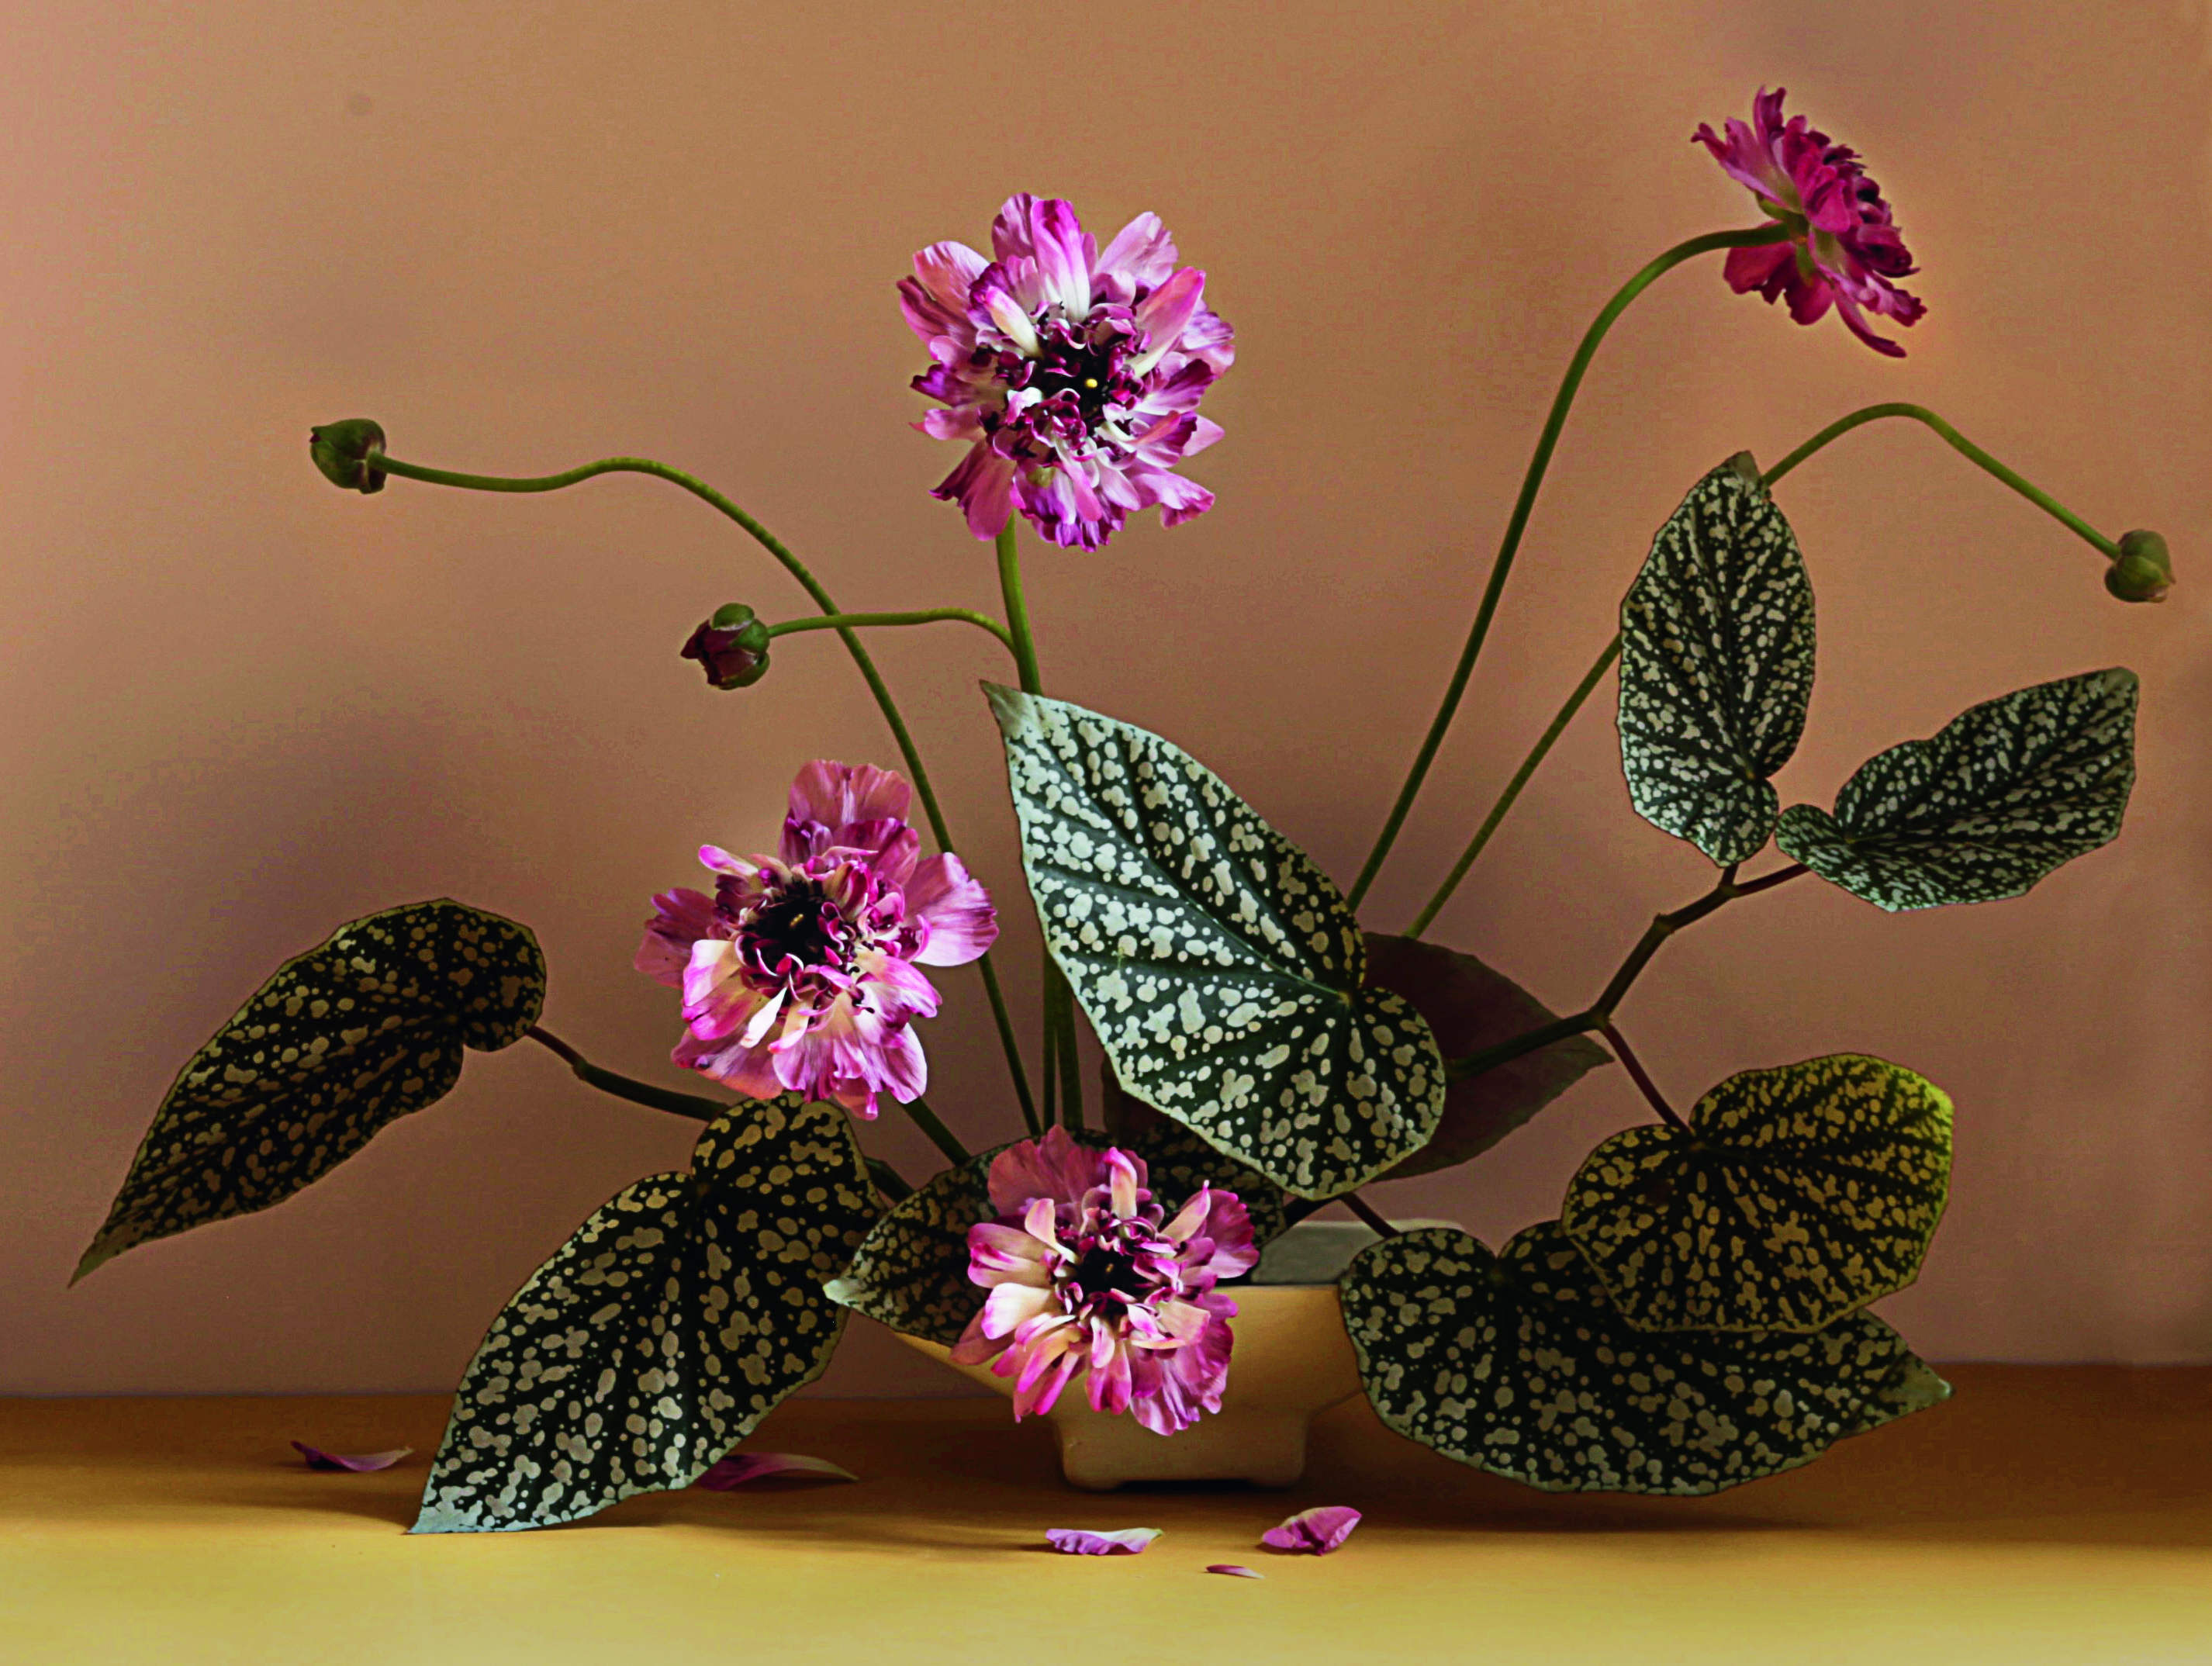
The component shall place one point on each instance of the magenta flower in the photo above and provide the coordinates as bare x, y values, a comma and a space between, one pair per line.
1083, 1277
1843, 248
1072, 376
799, 973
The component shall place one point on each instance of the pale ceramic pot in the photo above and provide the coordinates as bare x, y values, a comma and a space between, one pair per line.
1292, 1361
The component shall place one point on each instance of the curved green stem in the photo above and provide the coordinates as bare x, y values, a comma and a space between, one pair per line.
797, 569
1059, 1000
1834, 431
1529, 765
1502, 565
868, 621
1966, 449
625, 1087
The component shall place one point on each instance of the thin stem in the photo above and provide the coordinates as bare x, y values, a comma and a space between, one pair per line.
939, 1135
1600, 1013
1059, 1001
1768, 881
624, 1087
1965, 448
797, 569
889, 1180
1051, 1062
919, 616
1528, 766
1502, 564
1022, 641
1641, 1078
1360, 1206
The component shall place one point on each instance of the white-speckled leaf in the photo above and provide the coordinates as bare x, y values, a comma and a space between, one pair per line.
1797, 1196
2009, 791
660, 1334
911, 1271
356, 1032
1219, 967
1519, 1365
1715, 665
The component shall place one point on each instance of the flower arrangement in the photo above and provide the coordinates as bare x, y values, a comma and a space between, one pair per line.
1696, 1316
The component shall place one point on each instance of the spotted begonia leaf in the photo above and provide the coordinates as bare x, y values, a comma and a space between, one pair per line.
1469, 1006
2006, 792
354, 1034
1221, 970
1715, 665
659, 1335
1518, 1364
911, 1272
1794, 1197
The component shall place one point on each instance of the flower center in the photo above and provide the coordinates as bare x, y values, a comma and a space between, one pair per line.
801, 925
1103, 1269
1078, 371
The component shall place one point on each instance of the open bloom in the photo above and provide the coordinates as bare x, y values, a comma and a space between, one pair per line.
1085, 1278
1073, 377
1842, 249
799, 973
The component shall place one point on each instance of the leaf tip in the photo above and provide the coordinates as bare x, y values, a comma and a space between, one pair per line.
1012, 709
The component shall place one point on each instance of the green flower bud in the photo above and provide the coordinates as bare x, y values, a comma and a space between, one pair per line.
2145, 572
731, 647
347, 453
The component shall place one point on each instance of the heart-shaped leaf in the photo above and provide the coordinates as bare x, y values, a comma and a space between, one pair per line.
1518, 1364
1221, 970
1469, 1006
2009, 791
911, 1272
1715, 665
345, 1038
1795, 1196
659, 1335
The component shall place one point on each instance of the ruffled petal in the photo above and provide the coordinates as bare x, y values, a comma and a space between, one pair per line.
961, 923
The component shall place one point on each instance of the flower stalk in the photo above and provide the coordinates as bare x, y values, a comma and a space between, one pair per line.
877, 621
1501, 565
386, 465
2152, 586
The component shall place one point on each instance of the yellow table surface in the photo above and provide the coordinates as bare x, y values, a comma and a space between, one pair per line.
2046, 1514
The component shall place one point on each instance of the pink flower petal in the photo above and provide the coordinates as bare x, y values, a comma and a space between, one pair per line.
1242, 1573
361, 1464
1080, 1542
1313, 1532
741, 1467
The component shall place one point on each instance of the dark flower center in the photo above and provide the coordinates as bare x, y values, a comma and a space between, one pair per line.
1080, 370
801, 925
1102, 1269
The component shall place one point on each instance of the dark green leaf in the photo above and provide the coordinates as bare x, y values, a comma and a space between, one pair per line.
911, 1273
1797, 1195
2006, 792
656, 1338
349, 1036
1221, 970
1715, 665
1518, 1364
1470, 1006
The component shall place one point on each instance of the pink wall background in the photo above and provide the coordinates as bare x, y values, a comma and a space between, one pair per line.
240, 708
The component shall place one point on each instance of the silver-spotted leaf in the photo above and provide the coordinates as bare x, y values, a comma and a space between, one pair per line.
1715, 665
2006, 792
1469, 1006
357, 1032
1518, 1364
1221, 970
659, 1335
911, 1272
1795, 1196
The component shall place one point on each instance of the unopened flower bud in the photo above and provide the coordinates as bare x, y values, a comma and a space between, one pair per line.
732, 646
348, 453
2145, 572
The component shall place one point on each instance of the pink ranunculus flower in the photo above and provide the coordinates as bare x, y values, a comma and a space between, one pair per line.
1073, 377
800, 973
1843, 250
1085, 1277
